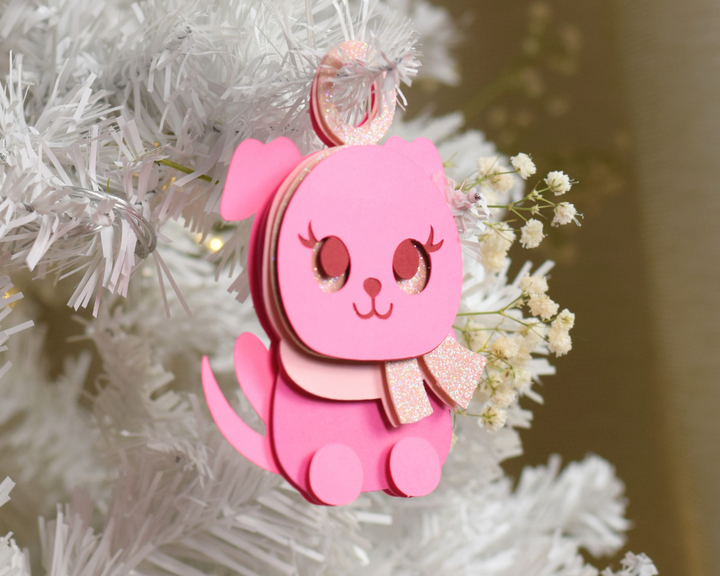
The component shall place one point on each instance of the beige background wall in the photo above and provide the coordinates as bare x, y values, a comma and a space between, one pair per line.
671, 58
642, 134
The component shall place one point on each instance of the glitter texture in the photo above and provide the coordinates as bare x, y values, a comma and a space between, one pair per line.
456, 370
417, 283
407, 392
369, 132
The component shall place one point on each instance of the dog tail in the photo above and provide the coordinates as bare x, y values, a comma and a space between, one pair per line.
253, 367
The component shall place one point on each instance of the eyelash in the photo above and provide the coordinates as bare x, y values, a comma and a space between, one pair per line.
429, 246
311, 241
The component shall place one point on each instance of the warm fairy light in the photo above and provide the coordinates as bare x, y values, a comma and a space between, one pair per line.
166, 186
215, 244
7, 295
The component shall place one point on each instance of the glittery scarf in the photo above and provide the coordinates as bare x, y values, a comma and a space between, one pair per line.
454, 373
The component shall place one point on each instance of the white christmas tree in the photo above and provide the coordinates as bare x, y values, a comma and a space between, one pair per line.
118, 122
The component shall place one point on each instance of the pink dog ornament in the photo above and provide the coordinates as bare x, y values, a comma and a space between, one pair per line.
355, 272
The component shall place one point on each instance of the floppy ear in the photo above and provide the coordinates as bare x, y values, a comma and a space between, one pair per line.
256, 170
423, 153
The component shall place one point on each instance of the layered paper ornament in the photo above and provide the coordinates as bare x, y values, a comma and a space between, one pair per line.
355, 271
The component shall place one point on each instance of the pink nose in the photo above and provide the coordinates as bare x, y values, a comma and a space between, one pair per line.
372, 286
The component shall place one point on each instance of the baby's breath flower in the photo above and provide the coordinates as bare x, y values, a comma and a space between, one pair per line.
526, 343
564, 214
565, 320
534, 285
531, 234
494, 246
559, 341
534, 334
523, 165
521, 378
492, 381
535, 210
494, 174
503, 183
542, 307
523, 356
494, 262
476, 335
558, 182
503, 396
487, 165
505, 347
492, 418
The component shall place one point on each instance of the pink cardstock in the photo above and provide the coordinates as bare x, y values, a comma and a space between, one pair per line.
329, 450
336, 238
373, 199
256, 170
244, 439
336, 380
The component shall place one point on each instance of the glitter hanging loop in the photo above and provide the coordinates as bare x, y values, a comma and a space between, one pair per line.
326, 117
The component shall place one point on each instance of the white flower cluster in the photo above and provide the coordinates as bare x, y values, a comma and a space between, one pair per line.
564, 214
524, 165
509, 340
558, 183
497, 179
531, 234
559, 341
494, 245
493, 173
541, 306
507, 374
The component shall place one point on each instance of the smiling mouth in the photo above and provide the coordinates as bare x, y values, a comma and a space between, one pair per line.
373, 312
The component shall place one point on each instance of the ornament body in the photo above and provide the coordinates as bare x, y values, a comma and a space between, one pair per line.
355, 272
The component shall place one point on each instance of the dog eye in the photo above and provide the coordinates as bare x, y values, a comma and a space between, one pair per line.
331, 264
333, 257
411, 266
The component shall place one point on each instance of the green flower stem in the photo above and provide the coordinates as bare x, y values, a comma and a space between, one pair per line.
478, 313
515, 207
548, 202
463, 413
186, 170
501, 311
515, 211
